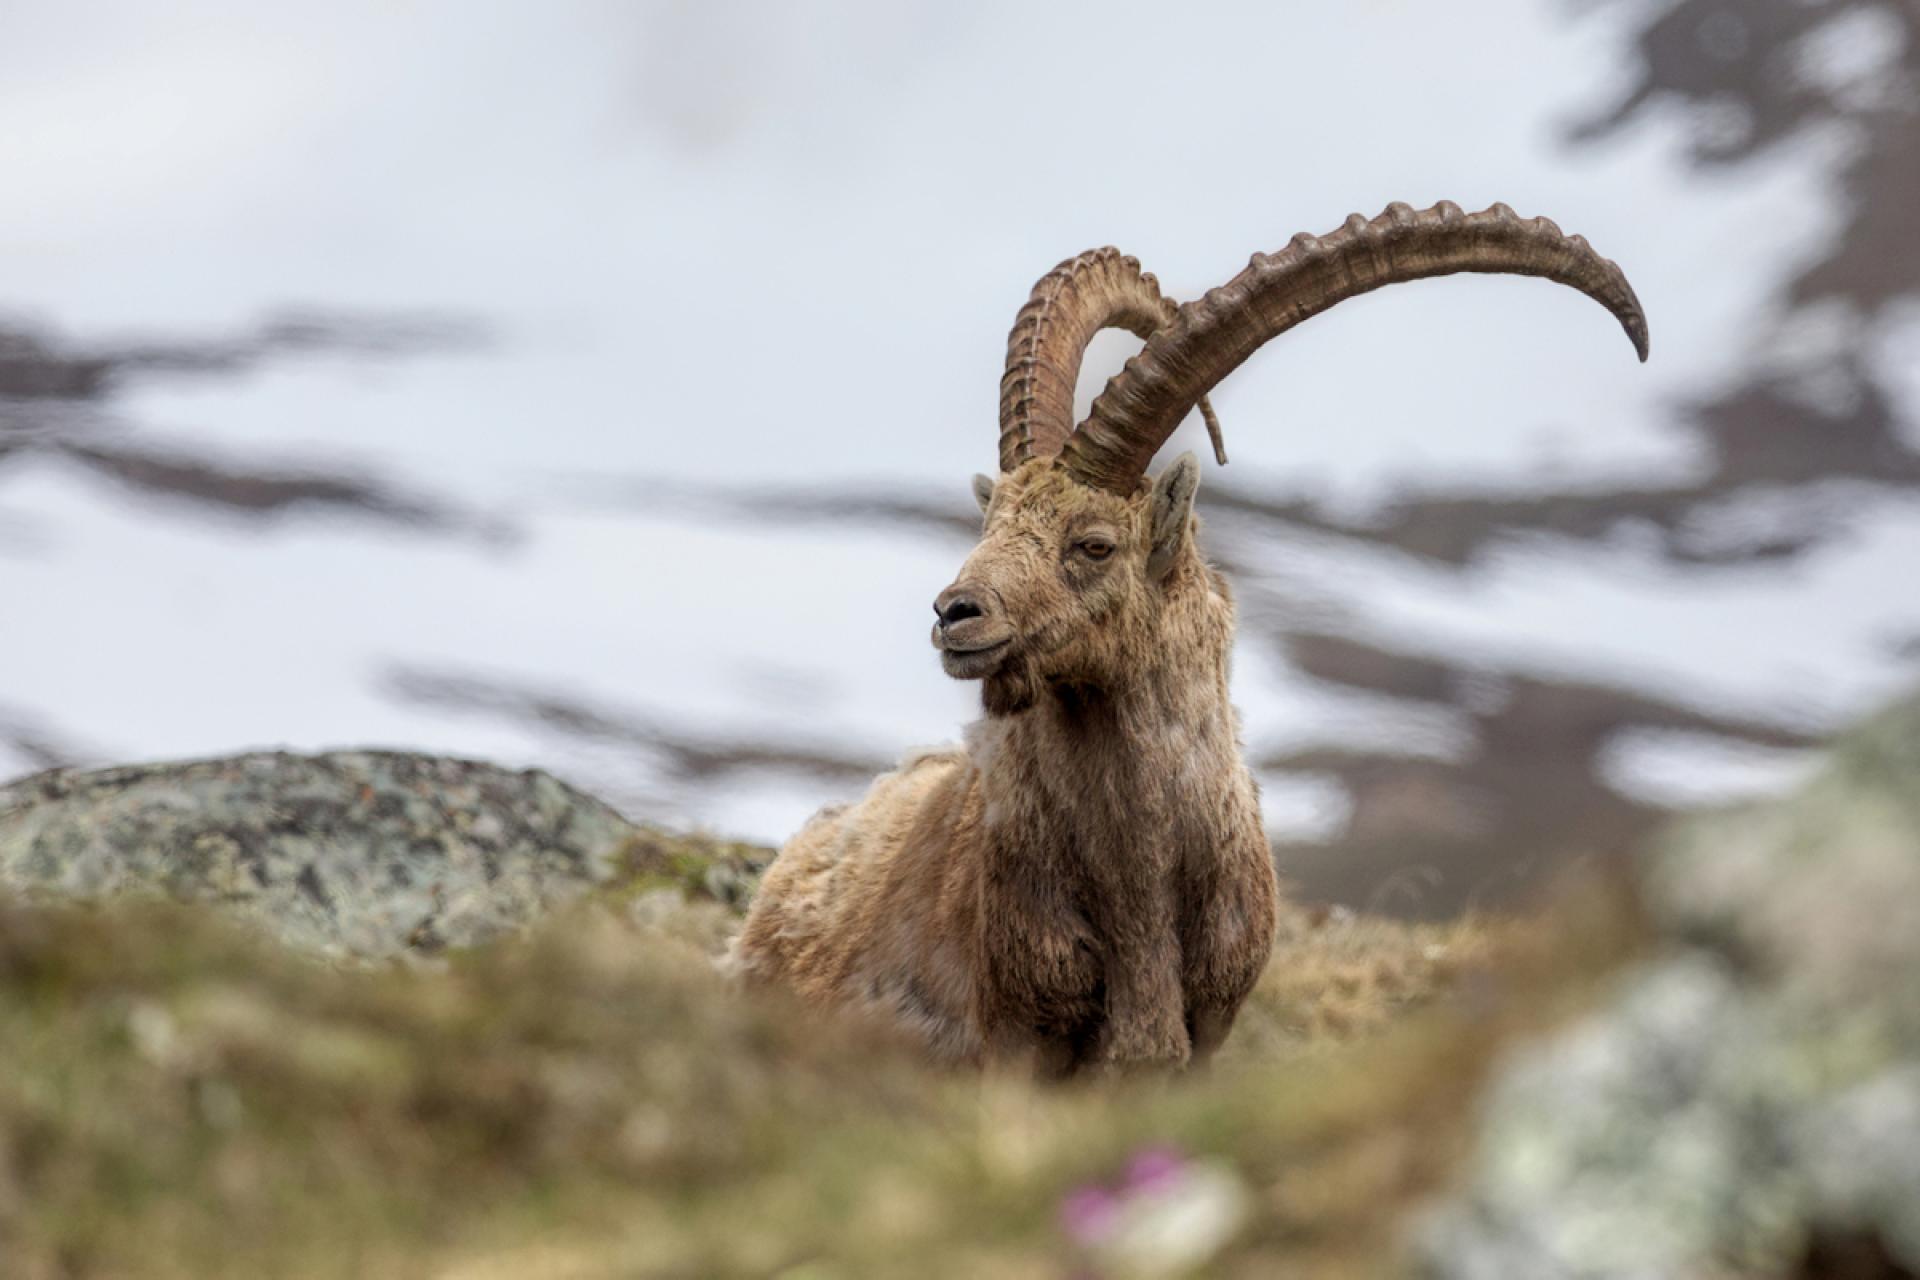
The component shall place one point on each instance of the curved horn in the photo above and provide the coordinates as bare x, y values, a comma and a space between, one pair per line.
1100, 289
1212, 336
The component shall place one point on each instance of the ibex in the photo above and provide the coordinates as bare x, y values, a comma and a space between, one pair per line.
1086, 883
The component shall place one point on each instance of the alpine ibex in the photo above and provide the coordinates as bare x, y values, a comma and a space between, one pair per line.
1087, 882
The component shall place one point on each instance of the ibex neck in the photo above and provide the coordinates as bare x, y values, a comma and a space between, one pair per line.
1127, 761
1138, 715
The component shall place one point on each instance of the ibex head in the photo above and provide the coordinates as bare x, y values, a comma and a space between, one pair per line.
1083, 562
1068, 581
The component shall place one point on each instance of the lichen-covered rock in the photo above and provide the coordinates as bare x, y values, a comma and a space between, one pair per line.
368, 853
1752, 1091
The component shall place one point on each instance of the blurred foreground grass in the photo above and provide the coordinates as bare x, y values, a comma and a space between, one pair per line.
183, 1098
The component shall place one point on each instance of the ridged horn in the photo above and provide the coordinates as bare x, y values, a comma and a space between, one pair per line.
1099, 289
1213, 335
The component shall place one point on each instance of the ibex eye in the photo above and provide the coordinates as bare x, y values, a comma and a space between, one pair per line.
1096, 548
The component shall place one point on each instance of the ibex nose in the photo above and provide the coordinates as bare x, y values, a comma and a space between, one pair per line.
956, 604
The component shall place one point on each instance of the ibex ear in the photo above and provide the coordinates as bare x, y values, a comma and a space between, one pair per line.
1172, 513
983, 491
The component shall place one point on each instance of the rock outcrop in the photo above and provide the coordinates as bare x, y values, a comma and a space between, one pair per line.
363, 853
1749, 1101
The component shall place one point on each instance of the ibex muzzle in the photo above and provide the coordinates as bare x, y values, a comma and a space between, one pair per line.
972, 632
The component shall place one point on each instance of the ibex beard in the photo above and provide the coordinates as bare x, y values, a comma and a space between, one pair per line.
1087, 881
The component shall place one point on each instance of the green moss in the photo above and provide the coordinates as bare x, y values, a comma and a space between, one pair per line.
700, 867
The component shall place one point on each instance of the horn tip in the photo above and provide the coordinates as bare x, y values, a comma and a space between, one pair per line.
1642, 343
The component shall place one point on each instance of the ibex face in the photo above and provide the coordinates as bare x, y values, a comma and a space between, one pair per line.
1067, 581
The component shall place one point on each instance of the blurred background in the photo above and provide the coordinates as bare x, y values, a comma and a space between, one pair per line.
595, 386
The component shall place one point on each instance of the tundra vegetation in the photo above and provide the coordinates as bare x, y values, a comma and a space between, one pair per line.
1709, 1069
189, 1096
1087, 882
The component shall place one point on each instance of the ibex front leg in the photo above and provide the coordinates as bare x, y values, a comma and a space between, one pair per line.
1227, 934
1146, 1023
1038, 994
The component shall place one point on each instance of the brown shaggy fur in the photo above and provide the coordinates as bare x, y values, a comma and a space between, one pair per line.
1087, 883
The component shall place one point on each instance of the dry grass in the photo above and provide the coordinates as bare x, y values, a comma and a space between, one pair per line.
183, 1099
